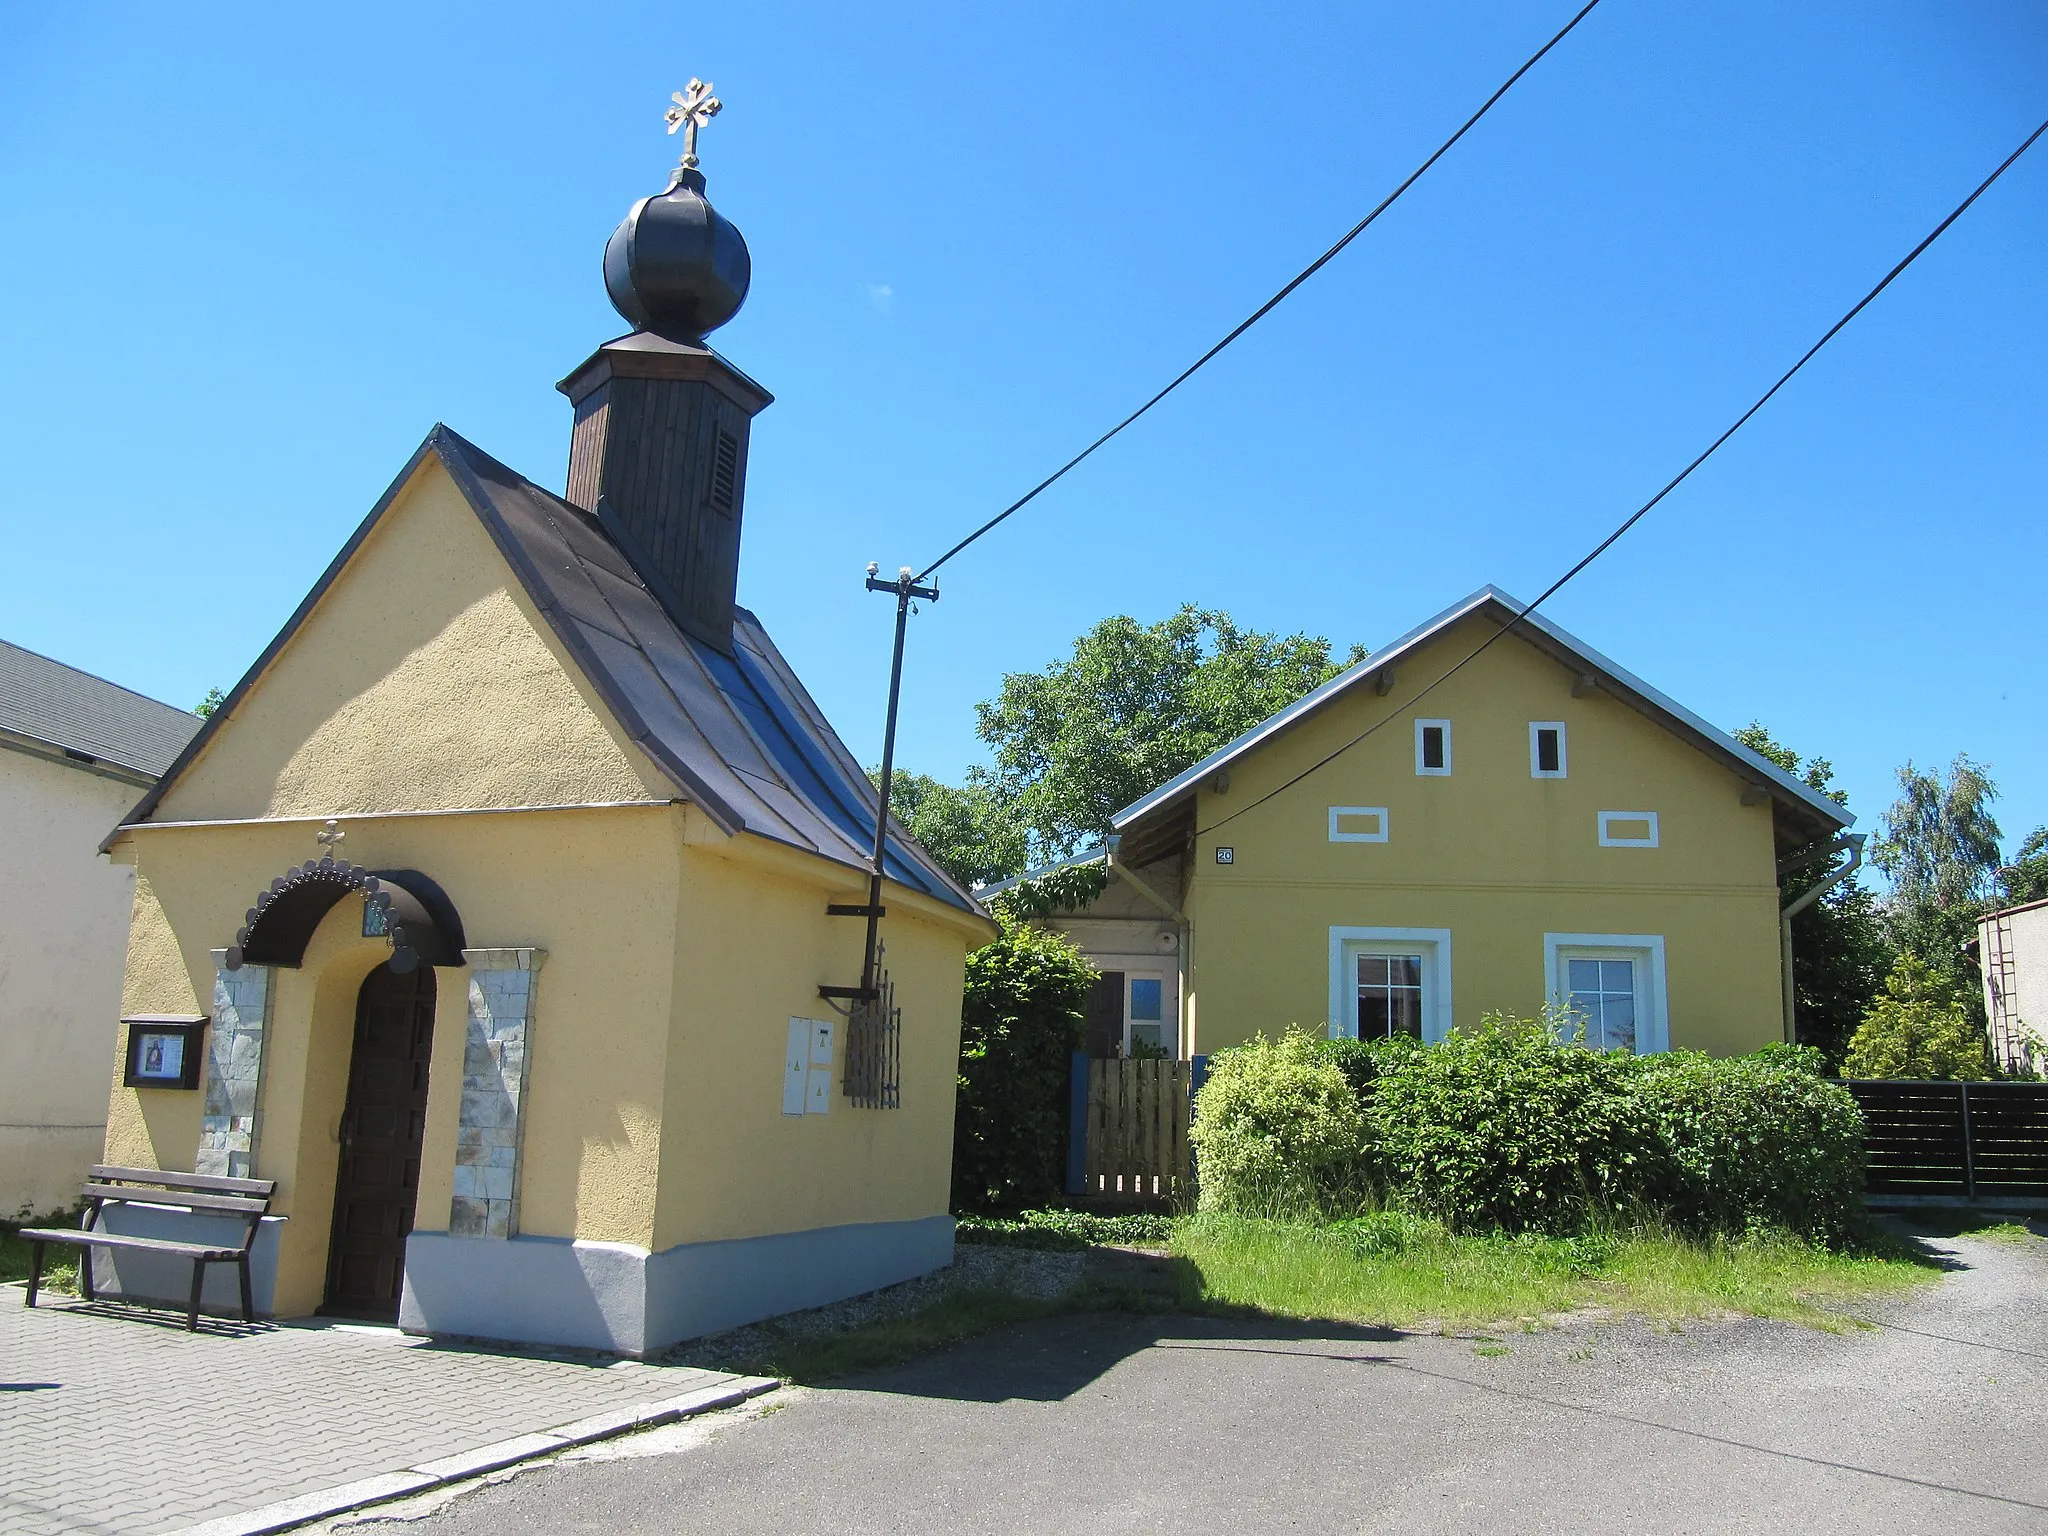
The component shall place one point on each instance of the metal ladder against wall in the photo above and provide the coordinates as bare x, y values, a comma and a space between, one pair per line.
2010, 1043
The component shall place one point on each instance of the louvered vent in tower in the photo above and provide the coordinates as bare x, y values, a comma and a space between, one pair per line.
725, 464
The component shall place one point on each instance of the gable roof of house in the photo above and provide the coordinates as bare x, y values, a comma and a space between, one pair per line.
737, 736
1810, 813
77, 715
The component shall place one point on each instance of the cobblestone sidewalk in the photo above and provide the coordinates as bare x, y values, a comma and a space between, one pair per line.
115, 1420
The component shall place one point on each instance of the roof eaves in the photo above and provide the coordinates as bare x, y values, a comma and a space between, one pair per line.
1094, 855
1778, 778
452, 448
70, 757
1789, 784
227, 706
1308, 703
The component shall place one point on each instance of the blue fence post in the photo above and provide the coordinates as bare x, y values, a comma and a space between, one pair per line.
1077, 1124
1199, 1076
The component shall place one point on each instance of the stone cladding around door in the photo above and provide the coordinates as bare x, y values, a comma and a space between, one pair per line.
487, 1137
231, 1119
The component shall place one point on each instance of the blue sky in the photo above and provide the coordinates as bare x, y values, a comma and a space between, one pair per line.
255, 253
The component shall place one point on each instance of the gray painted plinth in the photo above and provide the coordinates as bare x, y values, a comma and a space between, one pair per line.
609, 1296
158, 1279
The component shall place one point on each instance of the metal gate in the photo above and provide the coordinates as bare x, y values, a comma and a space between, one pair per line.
1948, 1140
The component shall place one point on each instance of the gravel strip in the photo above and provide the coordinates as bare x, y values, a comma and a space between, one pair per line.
1034, 1274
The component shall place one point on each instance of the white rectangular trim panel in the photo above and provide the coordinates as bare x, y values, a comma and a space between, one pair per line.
1537, 730
1645, 954
1340, 832
807, 1067
1433, 734
1433, 944
796, 1065
1628, 829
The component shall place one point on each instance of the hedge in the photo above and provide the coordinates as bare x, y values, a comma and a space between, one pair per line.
1023, 1017
1515, 1127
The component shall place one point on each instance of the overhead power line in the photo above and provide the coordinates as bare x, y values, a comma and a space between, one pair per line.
1271, 304
1671, 485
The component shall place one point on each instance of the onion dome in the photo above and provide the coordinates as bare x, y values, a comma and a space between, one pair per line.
676, 266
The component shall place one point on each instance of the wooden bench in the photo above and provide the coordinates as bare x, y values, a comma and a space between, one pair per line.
198, 1192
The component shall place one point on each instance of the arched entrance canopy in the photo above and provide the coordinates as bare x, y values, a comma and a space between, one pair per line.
412, 912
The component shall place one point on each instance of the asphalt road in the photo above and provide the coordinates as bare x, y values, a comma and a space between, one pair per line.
1934, 1420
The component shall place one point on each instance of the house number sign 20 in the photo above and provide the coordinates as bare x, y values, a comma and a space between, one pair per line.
1226, 855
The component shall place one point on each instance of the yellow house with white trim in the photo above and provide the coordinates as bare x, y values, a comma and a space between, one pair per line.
1487, 814
489, 913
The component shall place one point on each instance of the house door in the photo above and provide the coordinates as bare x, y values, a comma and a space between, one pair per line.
1106, 1016
382, 1128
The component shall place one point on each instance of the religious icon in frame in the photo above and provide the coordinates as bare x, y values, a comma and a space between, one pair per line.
163, 1050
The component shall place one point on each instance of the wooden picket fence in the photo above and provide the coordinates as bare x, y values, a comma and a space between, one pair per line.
1130, 1134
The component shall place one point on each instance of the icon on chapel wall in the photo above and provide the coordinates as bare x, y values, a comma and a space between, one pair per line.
163, 1050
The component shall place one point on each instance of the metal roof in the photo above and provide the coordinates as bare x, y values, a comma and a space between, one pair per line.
738, 736
1632, 689
1094, 853
74, 712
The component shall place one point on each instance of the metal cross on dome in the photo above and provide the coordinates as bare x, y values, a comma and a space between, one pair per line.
694, 107
330, 836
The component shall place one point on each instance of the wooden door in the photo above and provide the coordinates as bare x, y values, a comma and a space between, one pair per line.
1106, 1016
382, 1129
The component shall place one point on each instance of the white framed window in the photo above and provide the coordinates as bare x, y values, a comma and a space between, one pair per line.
1358, 823
1433, 748
1546, 749
1144, 1012
1613, 984
1390, 981
1628, 829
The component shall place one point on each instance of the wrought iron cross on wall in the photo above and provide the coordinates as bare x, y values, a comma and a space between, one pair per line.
694, 107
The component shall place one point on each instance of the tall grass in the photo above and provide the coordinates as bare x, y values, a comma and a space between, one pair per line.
1399, 1270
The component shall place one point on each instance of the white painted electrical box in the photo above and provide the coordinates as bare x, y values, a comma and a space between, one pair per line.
807, 1070
820, 1100
796, 1069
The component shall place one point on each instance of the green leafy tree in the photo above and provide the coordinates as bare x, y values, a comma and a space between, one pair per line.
1023, 1017
1919, 1028
964, 828
1939, 847
1134, 705
1839, 949
213, 700
2026, 878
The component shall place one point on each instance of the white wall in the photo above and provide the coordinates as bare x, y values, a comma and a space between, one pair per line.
1122, 931
62, 935
2027, 931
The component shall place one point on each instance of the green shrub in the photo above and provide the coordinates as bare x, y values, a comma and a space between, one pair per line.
1810, 1059
1917, 1029
1277, 1129
1516, 1128
1508, 1127
1023, 1017
1364, 1062
1065, 1231
1750, 1142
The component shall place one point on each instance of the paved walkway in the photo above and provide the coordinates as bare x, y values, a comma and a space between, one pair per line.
1933, 1420
119, 1421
